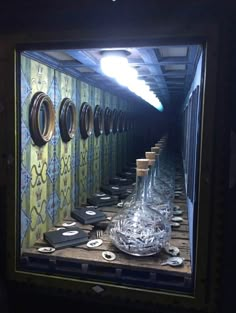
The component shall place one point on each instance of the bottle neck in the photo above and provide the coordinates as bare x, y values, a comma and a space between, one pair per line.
141, 188
156, 171
151, 177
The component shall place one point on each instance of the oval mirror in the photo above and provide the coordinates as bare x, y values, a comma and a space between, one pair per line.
86, 120
67, 119
41, 118
115, 121
121, 121
98, 121
108, 121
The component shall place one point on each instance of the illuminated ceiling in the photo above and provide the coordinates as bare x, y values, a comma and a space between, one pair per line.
167, 70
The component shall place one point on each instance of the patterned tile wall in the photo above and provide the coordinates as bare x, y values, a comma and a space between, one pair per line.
59, 176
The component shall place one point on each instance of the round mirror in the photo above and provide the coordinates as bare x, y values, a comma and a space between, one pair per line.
125, 127
86, 120
121, 121
115, 121
98, 121
41, 118
108, 121
67, 119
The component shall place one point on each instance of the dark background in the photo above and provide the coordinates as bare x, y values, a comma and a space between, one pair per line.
110, 17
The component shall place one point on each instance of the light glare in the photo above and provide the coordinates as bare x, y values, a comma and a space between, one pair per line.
117, 67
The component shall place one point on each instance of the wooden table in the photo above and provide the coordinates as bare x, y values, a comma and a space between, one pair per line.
82, 261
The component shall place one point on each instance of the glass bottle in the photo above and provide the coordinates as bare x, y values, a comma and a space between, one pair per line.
156, 198
139, 230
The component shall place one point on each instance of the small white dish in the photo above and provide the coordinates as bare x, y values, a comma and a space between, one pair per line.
90, 213
115, 188
70, 233
108, 256
176, 208
177, 219
172, 250
69, 224
61, 228
94, 243
175, 225
46, 250
105, 198
175, 261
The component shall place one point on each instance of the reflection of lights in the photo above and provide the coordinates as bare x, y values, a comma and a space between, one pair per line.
129, 74
115, 65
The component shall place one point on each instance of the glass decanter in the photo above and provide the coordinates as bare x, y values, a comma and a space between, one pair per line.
156, 198
139, 230
164, 181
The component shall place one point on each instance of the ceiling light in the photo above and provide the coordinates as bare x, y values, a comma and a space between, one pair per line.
114, 63
113, 66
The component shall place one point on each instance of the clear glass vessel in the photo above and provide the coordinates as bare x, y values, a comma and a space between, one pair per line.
139, 230
158, 192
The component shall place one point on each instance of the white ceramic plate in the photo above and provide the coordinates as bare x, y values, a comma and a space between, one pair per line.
46, 249
109, 256
94, 243
177, 219
69, 224
70, 233
90, 213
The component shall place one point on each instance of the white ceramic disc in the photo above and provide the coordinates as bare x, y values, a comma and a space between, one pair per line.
115, 188
90, 213
91, 207
177, 212
109, 256
174, 261
100, 194
175, 225
94, 243
176, 208
61, 228
69, 224
177, 219
105, 198
172, 250
70, 233
46, 249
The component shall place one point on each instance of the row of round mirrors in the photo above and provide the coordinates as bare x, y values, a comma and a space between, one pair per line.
42, 119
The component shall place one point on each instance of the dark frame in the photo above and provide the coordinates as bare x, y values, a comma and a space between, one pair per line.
85, 120
39, 99
98, 121
67, 107
211, 182
108, 121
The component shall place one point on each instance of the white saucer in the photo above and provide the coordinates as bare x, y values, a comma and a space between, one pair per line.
46, 250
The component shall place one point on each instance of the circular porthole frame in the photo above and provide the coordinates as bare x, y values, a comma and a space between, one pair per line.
85, 120
115, 121
125, 122
65, 107
98, 121
121, 121
108, 121
39, 138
